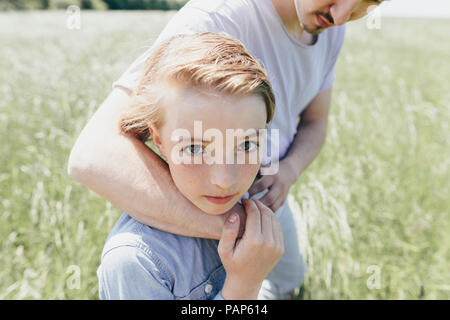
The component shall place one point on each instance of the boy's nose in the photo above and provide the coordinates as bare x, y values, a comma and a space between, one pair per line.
342, 10
222, 176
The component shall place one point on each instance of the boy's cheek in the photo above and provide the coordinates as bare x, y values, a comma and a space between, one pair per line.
187, 178
249, 171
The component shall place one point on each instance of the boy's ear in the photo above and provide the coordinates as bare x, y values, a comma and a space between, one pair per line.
156, 138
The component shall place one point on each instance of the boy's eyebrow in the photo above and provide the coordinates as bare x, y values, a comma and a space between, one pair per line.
255, 132
193, 140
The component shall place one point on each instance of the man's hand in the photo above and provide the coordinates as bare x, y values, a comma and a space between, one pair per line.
249, 260
278, 185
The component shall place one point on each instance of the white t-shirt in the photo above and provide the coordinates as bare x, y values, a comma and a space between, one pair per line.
297, 72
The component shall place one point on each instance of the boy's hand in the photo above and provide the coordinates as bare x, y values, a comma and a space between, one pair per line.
250, 259
240, 211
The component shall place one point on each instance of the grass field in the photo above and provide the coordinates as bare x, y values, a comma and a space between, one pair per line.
372, 210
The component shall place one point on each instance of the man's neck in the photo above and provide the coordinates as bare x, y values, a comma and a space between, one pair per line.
288, 14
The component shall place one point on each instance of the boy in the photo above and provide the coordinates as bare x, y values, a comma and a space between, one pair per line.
208, 79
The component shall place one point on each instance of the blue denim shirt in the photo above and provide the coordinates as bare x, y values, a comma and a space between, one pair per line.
141, 262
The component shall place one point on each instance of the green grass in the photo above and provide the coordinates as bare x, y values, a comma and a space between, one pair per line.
377, 197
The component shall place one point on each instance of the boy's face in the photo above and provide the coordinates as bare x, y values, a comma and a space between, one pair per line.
213, 187
318, 15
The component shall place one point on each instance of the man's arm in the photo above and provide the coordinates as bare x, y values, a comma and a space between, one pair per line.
310, 137
132, 177
311, 134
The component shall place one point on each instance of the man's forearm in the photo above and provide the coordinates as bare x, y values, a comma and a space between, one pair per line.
132, 177
306, 146
311, 133
148, 195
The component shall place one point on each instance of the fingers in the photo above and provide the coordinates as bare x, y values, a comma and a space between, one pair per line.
230, 232
261, 185
266, 222
262, 226
278, 204
274, 235
272, 196
253, 222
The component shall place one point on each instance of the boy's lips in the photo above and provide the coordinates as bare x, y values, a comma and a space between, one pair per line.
220, 200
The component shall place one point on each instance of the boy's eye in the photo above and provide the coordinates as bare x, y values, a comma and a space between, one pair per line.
193, 149
248, 146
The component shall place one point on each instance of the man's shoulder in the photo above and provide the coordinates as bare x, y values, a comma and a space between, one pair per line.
206, 5
219, 6
221, 14
335, 35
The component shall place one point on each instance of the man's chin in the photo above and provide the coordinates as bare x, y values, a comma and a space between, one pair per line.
314, 31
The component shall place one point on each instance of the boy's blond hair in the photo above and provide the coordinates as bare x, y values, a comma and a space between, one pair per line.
203, 61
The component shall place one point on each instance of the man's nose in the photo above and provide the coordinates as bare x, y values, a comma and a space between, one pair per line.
222, 176
342, 10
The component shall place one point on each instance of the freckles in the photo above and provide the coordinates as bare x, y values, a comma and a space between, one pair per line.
190, 173
248, 170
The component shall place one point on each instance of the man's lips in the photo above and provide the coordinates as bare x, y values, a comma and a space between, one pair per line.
322, 21
219, 200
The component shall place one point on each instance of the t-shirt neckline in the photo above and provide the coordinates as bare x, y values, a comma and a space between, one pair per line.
288, 34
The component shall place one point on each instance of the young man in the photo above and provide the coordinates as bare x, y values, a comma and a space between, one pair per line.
298, 42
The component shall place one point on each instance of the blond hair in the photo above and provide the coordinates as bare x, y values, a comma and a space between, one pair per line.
203, 61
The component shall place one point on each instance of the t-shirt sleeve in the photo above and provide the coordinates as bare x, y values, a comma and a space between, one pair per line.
338, 41
189, 20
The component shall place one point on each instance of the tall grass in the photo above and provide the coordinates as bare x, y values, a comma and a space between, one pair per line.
373, 206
